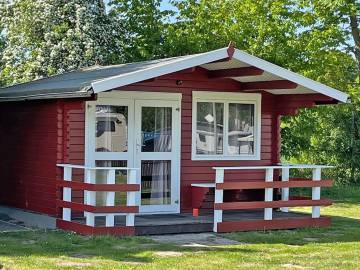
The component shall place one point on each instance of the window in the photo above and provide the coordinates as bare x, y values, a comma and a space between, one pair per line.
111, 128
226, 126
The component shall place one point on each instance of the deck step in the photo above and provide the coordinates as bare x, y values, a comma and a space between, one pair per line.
173, 229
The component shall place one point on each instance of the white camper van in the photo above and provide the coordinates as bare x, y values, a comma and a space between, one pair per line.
111, 132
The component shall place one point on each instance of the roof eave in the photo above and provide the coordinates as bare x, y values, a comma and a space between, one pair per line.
79, 94
161, 69
291, 76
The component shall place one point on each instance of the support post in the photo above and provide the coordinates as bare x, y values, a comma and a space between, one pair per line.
110, 198
285, 172
219, 197
316, 191
131, 196
90, 196
66, 213
269, 177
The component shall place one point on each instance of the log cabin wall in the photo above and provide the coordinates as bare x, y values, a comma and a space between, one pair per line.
36, 135
28, 147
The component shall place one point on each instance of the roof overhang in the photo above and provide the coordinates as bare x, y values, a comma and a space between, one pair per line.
272, 75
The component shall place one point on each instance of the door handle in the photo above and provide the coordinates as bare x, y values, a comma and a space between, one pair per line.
138, 145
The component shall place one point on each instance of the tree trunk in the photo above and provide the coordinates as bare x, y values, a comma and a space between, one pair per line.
355, 32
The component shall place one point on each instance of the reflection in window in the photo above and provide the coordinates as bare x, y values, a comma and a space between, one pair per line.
155, 182
156, 129
120, 178
111, 128
241, 129
209, 128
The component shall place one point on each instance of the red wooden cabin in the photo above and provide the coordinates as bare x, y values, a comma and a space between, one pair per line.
184, 144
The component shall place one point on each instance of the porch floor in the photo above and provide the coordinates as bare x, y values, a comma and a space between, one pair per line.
186, 223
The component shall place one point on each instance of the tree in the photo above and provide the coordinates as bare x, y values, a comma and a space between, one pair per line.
144, 25
260, 27
53, 36
332, 38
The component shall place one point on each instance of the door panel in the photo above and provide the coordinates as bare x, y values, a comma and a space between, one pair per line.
157, 154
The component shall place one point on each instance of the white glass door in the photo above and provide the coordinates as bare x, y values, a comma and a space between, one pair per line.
133, 132
110, 140
157, 144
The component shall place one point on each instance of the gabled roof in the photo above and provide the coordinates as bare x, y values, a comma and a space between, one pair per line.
85, 82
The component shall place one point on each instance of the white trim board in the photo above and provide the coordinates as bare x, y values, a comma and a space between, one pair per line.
205, 58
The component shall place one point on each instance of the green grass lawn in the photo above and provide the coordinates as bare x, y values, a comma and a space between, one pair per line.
337, 247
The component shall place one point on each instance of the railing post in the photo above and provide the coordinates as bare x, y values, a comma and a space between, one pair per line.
269, 177
110, 198
285, 172
316, 191
219, 197
66, 213
131, 196
90, 196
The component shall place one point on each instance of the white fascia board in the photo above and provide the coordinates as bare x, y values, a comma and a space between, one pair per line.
289, 75
158, 70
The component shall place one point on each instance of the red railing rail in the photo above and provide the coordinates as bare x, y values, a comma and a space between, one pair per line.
268, 204
89, 206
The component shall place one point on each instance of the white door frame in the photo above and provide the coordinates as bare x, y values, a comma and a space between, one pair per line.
130, 98
172, 156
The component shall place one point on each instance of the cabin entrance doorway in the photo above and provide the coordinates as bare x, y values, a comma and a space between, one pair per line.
134, 130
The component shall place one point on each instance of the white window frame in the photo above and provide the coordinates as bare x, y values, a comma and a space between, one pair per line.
226, 98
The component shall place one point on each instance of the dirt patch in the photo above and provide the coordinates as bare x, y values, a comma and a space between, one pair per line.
132, 262
195, 240
119, 247
311, 239
28, 242
80, 255
294, 266
73, 264
168, 254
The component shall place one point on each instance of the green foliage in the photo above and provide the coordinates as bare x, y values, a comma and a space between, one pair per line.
143, 25
52, 36
260, 27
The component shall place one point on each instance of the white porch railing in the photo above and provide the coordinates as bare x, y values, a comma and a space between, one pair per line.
90, 187
268, 204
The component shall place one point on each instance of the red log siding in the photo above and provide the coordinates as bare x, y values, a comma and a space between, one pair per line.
73, 141
28, 139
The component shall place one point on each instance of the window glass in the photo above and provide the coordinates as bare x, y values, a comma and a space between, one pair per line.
156, 129
241, 129
155, 182
111, 128
209, 128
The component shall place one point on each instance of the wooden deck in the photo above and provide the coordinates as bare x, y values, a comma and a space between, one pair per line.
186, 223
